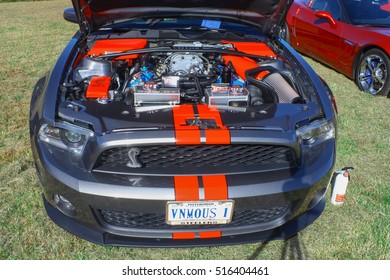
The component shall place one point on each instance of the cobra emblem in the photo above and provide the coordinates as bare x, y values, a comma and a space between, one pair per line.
133, 159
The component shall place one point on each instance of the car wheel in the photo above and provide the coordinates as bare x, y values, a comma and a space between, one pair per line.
285, 34
372, 72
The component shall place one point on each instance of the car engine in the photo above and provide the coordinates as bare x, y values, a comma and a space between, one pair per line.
222, 74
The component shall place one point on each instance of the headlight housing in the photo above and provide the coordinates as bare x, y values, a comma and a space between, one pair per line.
65, 136
316, 132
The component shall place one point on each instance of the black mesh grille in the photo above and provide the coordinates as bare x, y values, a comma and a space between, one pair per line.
198, 156
157, 221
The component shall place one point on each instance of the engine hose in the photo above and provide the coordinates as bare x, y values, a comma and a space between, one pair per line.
261, 84
192, 98
193, 92
136, 68
192, 84
199, 87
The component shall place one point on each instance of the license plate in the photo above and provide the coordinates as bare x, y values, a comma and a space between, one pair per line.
199, 212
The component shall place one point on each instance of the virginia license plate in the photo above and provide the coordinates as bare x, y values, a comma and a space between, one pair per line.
199, 212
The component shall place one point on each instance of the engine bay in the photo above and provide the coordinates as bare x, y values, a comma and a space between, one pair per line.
141, 73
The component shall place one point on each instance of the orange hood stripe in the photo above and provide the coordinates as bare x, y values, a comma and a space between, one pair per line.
184, 134
218, 136
191, 135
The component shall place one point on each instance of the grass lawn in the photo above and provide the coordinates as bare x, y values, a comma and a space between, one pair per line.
33, 35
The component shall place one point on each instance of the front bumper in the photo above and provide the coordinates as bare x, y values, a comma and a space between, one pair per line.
301, 192
100, 237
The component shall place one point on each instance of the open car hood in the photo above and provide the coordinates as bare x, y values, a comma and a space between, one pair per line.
267, 15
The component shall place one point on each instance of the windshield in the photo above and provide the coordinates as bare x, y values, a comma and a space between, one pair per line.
368, 12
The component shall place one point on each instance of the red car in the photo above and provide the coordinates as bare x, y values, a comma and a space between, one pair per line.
352, 36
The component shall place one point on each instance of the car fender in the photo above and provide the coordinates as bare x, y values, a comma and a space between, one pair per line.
357, 44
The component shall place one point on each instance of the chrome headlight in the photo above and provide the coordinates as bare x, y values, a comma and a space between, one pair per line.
316, 132
65, 136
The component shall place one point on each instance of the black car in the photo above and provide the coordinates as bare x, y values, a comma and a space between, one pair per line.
182, 123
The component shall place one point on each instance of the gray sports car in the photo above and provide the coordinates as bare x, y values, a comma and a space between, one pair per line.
182, 123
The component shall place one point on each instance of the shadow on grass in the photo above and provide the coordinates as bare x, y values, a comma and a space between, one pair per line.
293, 249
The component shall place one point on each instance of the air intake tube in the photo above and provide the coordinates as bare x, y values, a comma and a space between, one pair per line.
270, 80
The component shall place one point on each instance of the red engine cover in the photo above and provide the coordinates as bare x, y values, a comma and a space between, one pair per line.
117, 45
98, 87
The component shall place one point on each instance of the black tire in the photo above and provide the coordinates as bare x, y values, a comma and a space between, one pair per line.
372, 73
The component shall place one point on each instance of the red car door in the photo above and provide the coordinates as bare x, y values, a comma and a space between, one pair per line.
317, 31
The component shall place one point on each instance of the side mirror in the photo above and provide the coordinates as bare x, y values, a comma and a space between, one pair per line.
70, 15
326, 15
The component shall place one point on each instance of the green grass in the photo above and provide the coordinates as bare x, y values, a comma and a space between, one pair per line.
34, 34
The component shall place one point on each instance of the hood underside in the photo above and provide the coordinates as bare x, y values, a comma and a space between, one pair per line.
265, 14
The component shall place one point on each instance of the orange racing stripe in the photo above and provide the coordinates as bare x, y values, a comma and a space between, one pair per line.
192, 235
210, 234
184, 134
215, 187
186, 188
183, 235
191, 135
221, 135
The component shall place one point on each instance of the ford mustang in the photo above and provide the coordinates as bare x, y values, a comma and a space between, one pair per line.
352, 36
182, 123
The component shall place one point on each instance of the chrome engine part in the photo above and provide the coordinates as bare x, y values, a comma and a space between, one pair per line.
182, 64
226, 95
152, 96
90, 66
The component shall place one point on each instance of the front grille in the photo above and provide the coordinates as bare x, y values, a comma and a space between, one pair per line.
198, 156
157, 221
